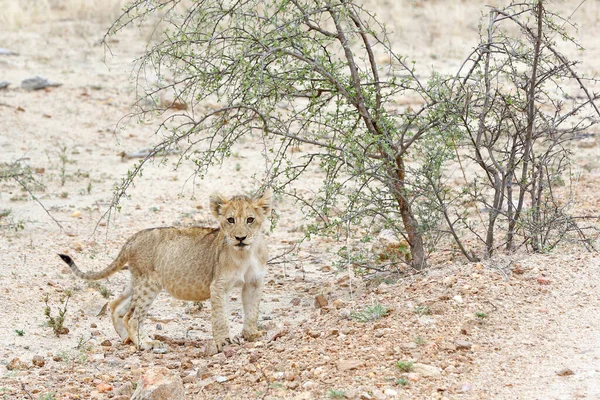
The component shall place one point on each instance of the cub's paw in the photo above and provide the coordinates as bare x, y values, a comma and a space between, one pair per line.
155, 345
221, 343
252, 335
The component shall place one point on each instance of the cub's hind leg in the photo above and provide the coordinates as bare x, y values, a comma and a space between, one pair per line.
119, 307
144, 293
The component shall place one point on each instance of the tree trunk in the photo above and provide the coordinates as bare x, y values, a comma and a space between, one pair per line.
415, 239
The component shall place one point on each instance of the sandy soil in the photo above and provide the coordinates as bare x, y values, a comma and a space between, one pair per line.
519, 327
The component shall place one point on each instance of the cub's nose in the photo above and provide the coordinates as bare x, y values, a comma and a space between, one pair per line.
241, 238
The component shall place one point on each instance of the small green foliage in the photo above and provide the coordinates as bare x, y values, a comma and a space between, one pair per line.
481, 315
64, 195
57, 322
336, 394
402, 381
422, 310
370, 313
238, 167
20, 332
420, 340
104, 291
48, 396
405, 366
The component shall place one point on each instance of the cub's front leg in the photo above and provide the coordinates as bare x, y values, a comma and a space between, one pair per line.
251, 297
219, 293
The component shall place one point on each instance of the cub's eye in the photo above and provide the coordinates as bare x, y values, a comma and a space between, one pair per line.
250, 220
231, 220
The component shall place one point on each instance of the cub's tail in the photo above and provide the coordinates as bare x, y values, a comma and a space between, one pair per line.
115, 266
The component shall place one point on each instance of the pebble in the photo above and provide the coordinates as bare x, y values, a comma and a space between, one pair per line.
76, 214
320, 301
16, 364
38, 361
347, 365
463, 344
427, 370
37, 83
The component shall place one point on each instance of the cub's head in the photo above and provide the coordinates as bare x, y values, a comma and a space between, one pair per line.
241, 217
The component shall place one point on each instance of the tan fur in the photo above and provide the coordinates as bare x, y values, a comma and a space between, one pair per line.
193, 264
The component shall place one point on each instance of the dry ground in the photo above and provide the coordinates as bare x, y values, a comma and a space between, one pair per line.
508, 328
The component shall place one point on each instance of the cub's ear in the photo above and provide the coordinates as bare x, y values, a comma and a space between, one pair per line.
264, 201
217, 201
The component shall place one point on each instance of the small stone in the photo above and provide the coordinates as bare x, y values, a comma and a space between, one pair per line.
449, 281
458, 299
296, 301
292, 385
106, 343
543, 280
338, 303
103, 387
221, 379
16, 364
191, 378
93, 325
413, 377
320, 301
77, 246
390, 393
76, 214
38, 361
565, 372
309, 385
314, 334
347, 365
159, 384
186, 363
426, 370
463, 344
37, 83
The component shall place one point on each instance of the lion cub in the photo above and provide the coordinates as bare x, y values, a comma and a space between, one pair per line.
193, 264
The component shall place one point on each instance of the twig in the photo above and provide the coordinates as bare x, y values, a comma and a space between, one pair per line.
26, 391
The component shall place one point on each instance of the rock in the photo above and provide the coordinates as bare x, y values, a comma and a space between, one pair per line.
103, 387
293, 385
186, 363
408, 345
159, 383
7, 52
449, 281
347, 365
413, 377
309, 385
106, 343
390, 393
458, 299
37, 83
76, 214
543, 280
320, 301
38, 361
191, 378
463, 344
296, 301
4, 84
426, 370
16, 364
565, 372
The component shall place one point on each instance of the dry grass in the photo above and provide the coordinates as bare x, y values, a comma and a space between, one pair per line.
17, 15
